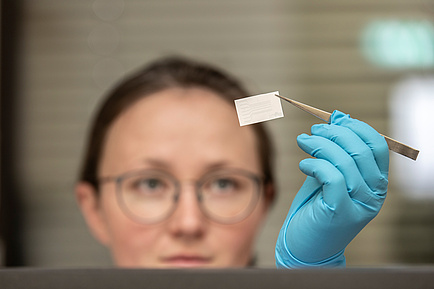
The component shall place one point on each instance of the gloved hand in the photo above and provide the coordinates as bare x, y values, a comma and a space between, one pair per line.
344, 190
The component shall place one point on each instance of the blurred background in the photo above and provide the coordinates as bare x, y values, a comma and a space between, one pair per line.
373, 59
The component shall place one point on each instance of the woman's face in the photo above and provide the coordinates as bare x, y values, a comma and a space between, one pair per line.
186, 133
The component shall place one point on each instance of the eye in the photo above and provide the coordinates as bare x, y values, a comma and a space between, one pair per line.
149, 185
223, 185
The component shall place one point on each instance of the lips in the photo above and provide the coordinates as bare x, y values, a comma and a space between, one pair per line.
186, 261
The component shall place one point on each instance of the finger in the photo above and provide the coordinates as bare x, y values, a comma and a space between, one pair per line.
358, 150
325, 149
369, 135
310, 187
334, 191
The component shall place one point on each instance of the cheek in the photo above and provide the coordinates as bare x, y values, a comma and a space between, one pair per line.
239, 239
131, 244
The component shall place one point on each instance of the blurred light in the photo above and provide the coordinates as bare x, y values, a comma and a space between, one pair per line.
399, 44
108, 10
412, 122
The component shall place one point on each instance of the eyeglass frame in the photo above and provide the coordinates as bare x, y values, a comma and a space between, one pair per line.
258, 180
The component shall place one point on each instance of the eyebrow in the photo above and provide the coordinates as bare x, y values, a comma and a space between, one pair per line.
156, 163
166, 165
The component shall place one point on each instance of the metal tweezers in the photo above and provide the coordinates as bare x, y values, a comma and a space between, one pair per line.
394, 145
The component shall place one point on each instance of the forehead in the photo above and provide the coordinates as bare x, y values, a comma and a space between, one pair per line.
177, 121
175, 101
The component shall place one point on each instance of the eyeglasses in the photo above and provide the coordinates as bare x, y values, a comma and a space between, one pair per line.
151, 196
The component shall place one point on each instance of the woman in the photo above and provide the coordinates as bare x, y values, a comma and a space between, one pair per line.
170, 179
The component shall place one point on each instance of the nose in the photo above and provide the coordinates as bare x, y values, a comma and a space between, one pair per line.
188, 222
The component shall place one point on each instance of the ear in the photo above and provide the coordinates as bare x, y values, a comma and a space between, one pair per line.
270, 194
90, 205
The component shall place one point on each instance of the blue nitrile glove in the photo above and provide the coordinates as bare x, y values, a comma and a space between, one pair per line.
344, 190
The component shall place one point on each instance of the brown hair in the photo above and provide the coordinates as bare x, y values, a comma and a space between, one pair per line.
160, 75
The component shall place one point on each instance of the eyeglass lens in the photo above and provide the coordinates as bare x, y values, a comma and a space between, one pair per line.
151, 196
